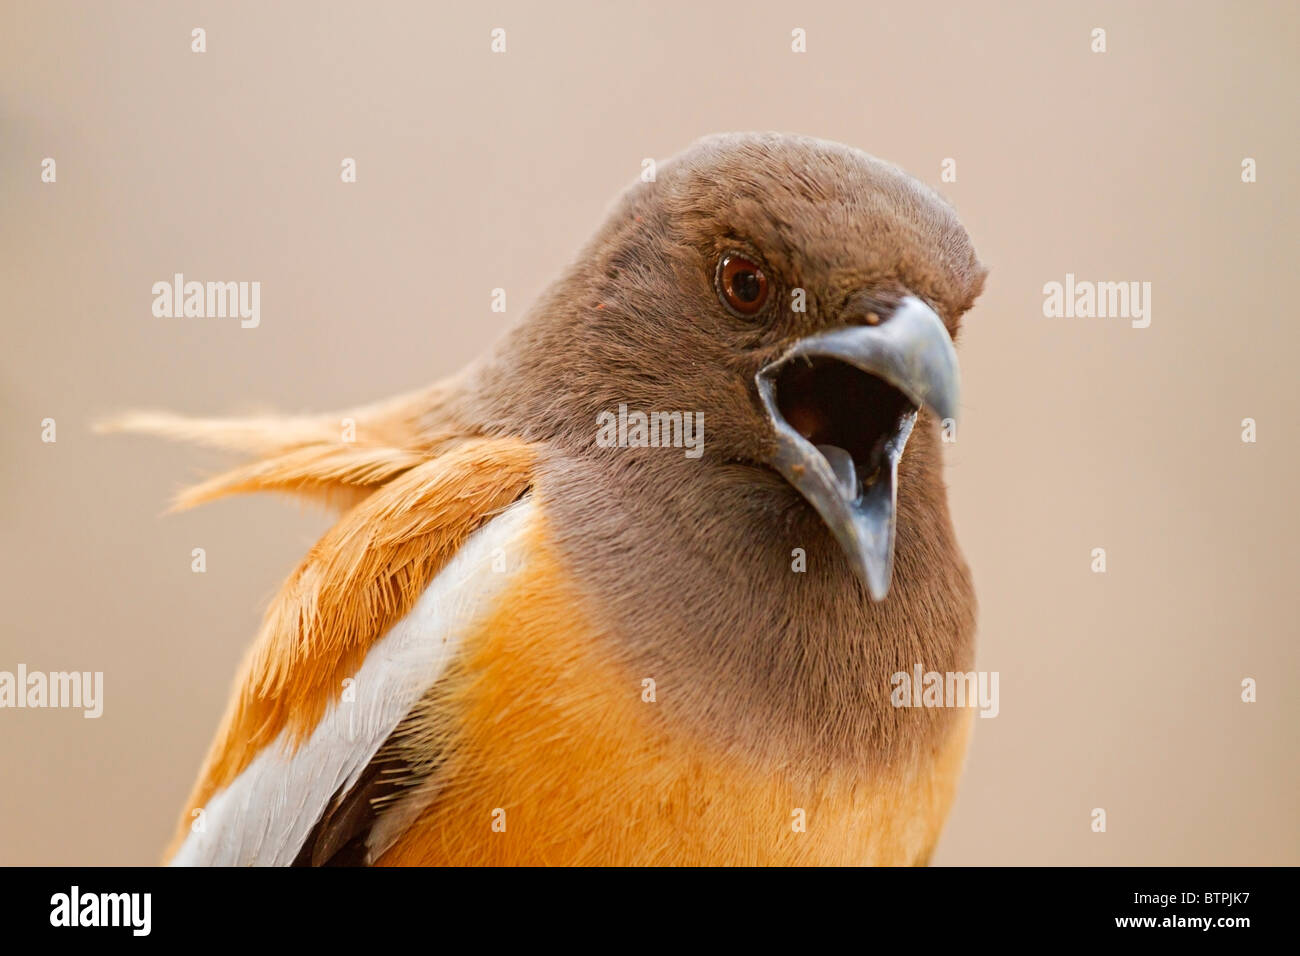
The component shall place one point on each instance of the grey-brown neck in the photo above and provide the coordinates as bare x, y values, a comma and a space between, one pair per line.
688, 568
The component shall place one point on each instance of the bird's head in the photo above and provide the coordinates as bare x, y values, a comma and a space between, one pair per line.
800, 295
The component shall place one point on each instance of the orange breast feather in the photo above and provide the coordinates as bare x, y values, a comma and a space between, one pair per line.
556, 759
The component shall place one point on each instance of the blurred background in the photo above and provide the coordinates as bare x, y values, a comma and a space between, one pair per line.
478, 170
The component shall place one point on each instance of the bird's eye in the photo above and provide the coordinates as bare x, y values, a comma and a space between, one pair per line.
742, 286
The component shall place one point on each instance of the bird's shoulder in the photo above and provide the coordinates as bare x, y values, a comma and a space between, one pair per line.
359, 634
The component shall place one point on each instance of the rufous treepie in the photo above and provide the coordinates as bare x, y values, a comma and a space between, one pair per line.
630, 589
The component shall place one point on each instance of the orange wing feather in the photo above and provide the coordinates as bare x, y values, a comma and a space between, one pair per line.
414, 494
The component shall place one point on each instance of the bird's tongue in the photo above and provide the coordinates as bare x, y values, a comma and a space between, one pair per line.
846, 473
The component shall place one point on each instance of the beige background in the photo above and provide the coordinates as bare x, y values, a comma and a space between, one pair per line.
477, 170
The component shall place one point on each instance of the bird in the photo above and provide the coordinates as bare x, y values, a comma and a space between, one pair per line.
538, 636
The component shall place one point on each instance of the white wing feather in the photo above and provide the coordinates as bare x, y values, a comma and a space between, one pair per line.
263, 817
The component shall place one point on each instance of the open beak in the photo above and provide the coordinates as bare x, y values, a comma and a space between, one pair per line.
843, 404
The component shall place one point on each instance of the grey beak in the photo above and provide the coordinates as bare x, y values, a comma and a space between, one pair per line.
910, 351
